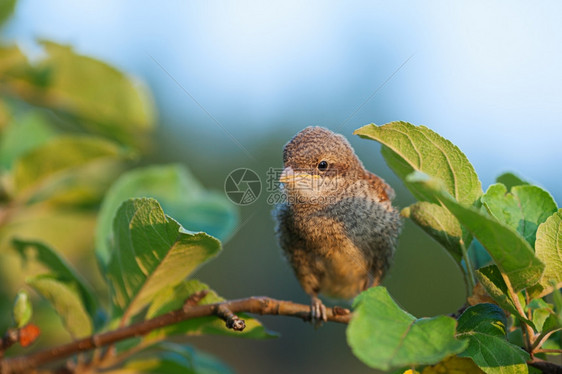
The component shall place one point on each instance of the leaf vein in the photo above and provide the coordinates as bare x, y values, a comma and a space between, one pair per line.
419, 166
449, 164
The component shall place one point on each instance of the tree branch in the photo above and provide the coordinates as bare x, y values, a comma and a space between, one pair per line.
225, 310
9, 339
545, 366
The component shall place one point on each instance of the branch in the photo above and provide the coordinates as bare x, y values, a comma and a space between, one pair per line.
543, 337
225, 310
558, 351
9, 339
527, 331
545, 366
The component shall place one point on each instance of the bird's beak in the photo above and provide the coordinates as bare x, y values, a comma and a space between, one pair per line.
289, 176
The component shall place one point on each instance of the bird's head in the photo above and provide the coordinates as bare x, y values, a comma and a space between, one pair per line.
318, 164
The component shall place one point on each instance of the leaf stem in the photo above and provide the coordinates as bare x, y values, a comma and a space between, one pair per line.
548, 351
541, 339
469, 273
526, 329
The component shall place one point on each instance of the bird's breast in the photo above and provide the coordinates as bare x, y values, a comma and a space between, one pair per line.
342, 267
345, 271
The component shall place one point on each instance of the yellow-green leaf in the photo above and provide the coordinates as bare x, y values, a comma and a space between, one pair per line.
92, 94
68, 165
408, 148
151, 252
511, 252
6, 9
178, 192
548, 249
453, 365
439, 223
22, 310
65, 299
523, 208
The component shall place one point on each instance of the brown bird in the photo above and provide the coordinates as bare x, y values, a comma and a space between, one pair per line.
336, 225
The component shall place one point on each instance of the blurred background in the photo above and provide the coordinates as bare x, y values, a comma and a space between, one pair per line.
232, 82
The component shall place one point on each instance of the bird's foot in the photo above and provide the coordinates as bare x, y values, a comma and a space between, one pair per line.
317, 311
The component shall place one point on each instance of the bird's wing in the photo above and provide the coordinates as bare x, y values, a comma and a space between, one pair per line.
385, 191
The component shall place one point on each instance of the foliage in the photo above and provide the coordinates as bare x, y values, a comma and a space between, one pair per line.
71, 128
519, 226
23, 309
399, 338
180, 195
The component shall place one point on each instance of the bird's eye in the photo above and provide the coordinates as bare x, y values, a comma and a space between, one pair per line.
322, 165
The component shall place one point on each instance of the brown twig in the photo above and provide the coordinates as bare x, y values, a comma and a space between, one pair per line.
544, 350
543, 337
526, 329
194, 299
232, 320
545, 366
9, 339
255, 305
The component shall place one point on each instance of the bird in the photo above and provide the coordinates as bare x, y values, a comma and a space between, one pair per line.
335, 224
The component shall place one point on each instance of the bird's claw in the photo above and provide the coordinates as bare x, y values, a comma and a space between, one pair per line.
317, 312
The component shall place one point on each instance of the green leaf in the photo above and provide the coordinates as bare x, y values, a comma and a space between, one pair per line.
451, 365
385, 337
557, 299
34, 251
541, 311
515, 336
492, 280
151, 252
5, 114
548, 249
407, 148
554, 342
551, 323
523, 209
61, 166
12, 61
439, 223
478, 254
483, 326
6, 9
180, 195
96, 96
511, 252
68, 230
65, 297
510, 180
23, 310
173, 358
173, 298
23, 134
